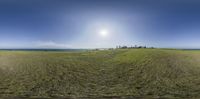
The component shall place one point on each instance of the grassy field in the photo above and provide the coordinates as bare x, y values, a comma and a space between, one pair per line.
111, 73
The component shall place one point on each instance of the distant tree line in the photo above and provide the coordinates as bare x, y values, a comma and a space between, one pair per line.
131, 47
124, 47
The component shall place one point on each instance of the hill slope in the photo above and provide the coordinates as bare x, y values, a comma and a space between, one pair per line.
132, 72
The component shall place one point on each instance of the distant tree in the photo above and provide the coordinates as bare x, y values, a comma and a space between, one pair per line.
139, 47
110, 49
135, 46
117, 47
131, 46
124, 47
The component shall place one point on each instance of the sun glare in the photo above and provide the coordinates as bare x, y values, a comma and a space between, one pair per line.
103, 33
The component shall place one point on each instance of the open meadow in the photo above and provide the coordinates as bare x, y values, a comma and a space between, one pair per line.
157, 73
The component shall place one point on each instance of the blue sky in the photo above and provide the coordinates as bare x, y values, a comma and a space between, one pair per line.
78, 23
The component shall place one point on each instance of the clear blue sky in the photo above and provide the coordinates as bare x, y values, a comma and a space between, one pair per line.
78, 23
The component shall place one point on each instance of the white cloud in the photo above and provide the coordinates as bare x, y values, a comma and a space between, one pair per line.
51, 44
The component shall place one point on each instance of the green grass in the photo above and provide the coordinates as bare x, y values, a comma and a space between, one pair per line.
128, 72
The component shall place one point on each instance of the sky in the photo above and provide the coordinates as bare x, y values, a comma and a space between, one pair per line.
99, 23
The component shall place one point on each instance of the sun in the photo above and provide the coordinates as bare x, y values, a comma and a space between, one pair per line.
103, 32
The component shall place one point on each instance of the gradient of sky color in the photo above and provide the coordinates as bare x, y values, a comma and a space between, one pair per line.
77, 23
